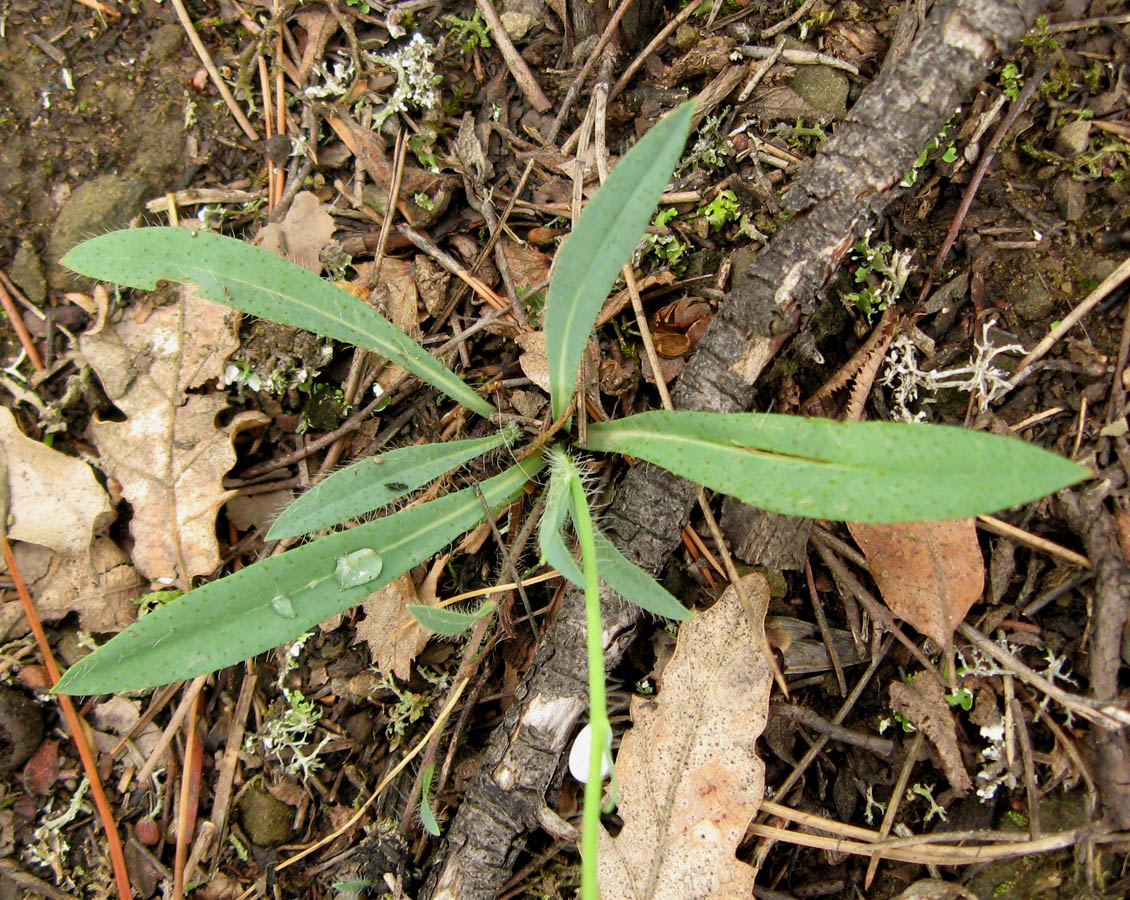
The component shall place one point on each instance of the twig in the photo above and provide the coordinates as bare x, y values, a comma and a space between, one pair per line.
798, 57
759, 73
514, 62
893, 805
1029, 769
785, 24
1102, 712
656, 42
213, 72
1080, 24
878, 611
1004, 529
226, 776
437, 726
30, 883
184, 808
1109, 284
1010, 118
98, 6
452, 265
171, 729
14, 317
268, 128
928, 849
815, 721
825, 631
819, 744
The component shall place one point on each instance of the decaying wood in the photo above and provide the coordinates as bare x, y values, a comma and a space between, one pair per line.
853, 177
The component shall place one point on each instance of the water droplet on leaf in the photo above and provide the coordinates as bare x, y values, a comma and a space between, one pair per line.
358, 568
283, 606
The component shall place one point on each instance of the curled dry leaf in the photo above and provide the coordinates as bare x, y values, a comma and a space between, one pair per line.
302, 234
923, 703
168, 456
690, 779
54, 499
929, 573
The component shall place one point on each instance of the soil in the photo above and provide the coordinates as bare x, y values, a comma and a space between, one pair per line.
104, 116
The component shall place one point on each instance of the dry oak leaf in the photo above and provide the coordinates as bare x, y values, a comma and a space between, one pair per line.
929, 573
923, 703
394, 636
168, 456
54, 499
395, 639
690, 779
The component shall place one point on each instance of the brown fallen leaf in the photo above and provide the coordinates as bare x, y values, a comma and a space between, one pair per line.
535, 364
690, 778
54, 499
101, 586
929, 573
923, 703
529, 267
302, 234
395, 639
168, 456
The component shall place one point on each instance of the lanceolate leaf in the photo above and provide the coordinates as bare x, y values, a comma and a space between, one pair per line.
374, 482
427, 816
858, 471
614, 569
448, 622
550, 542
257, 282
623, 575
602, 241
277, 599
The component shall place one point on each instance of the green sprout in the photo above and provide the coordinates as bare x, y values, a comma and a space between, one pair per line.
470, 33
722, 210
881, 272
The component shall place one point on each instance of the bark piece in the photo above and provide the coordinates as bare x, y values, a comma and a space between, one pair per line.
763, 538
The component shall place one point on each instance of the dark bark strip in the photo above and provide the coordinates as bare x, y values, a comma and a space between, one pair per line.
1085, 512
852, 178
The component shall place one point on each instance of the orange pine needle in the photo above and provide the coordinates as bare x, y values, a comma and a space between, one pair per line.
74, 723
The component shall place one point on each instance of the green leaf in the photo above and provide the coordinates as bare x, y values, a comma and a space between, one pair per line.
257, 282
557, 502
603, 240
448, 622
427, 817
277, 599
855, 471
374, 482
624, 576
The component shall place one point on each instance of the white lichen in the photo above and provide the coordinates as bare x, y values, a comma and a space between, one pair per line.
910, 384
416, 78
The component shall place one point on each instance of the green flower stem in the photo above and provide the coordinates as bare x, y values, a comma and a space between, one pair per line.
598, 709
